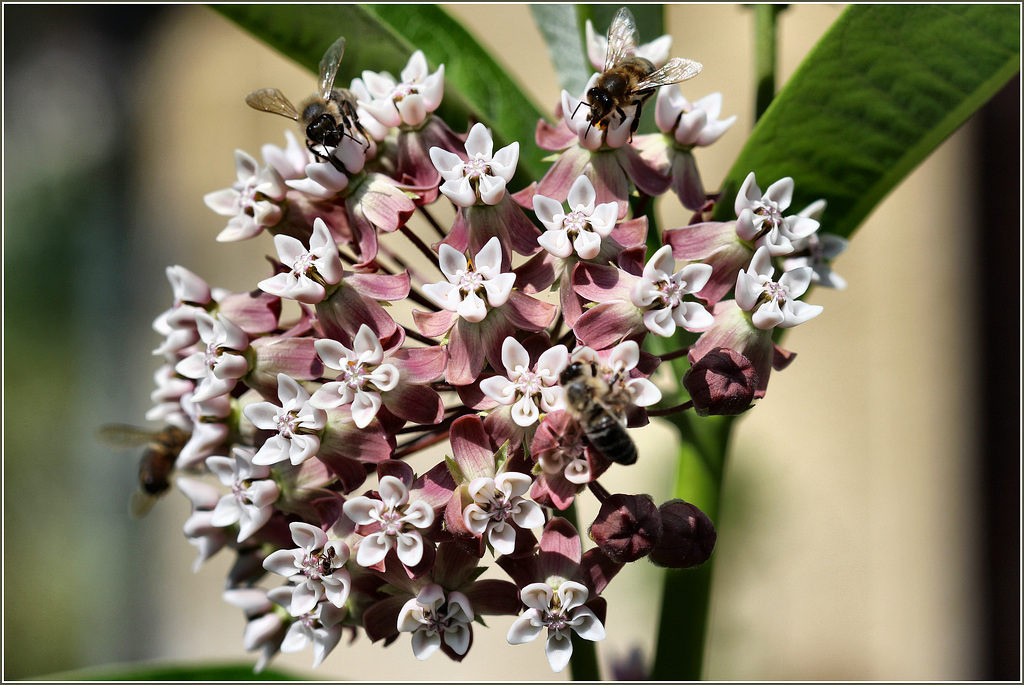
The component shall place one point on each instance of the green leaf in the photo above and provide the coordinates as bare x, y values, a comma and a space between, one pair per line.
878, 93
559, 24
382, 37
177, 672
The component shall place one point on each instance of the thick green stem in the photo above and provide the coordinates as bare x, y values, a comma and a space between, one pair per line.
765, 21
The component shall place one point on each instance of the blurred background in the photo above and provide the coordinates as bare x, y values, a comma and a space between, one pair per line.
870, 521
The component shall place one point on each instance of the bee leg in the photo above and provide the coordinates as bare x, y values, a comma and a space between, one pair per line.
350, 118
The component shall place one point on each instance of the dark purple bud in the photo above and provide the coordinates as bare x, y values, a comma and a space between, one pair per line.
627, 527
722, 382
688, 538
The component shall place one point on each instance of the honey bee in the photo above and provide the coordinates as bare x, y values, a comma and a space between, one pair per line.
600, 410
629, 80
326, 117
155, 465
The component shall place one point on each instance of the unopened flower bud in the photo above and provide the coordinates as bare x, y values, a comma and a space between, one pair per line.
627, 527
688, 538
722, 382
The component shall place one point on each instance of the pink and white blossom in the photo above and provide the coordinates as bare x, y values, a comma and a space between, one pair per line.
364, 375
321, 627
407, 102
660, 292
558, 610
529, 390
310, 270
497, 503
220, 360
773, 303
582, 228
472, 287
296, 422
252, 202
760, 216
432, 617
398, 522
253, 492
316, 569
483, 176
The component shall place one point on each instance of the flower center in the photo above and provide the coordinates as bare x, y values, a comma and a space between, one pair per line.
302, 264
770, 215
475, 168
576, 222
529, 383
471, 281
773, 292
353, 375
391, 523
671, 292
288, 424
402, 90
318, 564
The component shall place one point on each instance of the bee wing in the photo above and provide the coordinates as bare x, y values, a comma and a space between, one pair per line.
272, 100
329, 67
123, 436
622, 37
674, 71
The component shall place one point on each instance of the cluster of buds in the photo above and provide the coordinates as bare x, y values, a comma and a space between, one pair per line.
306, 414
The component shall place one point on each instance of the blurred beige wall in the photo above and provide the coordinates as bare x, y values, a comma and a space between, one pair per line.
844, 546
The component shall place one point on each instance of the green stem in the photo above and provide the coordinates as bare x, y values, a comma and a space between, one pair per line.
765, 25
583, 662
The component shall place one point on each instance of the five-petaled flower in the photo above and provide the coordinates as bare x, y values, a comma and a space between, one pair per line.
582, 229
398, 523
316, 567
483, 176
363, 375
498, 502
432, 617
310, 270
661, 292
253, 492
472, 286
296, 422
409, 101
529, 391
760, 216
773, 303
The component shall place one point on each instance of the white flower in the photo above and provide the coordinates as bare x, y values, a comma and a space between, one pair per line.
249, 504
469, 284
483, 176
407, 102
320, 627
774, 303
207, 425
430, 617
582, 228
760, 216
311, 270
398, 519
560, 611
317, 568
363, 374
251, 202
657, 51
219, 362
662, 291
497, 502
530, 392
296, 422
693, 124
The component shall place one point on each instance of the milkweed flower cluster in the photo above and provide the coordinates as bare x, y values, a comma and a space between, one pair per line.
305, 397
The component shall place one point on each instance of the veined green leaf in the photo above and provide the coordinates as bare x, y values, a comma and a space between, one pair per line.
878, 93
382, 37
